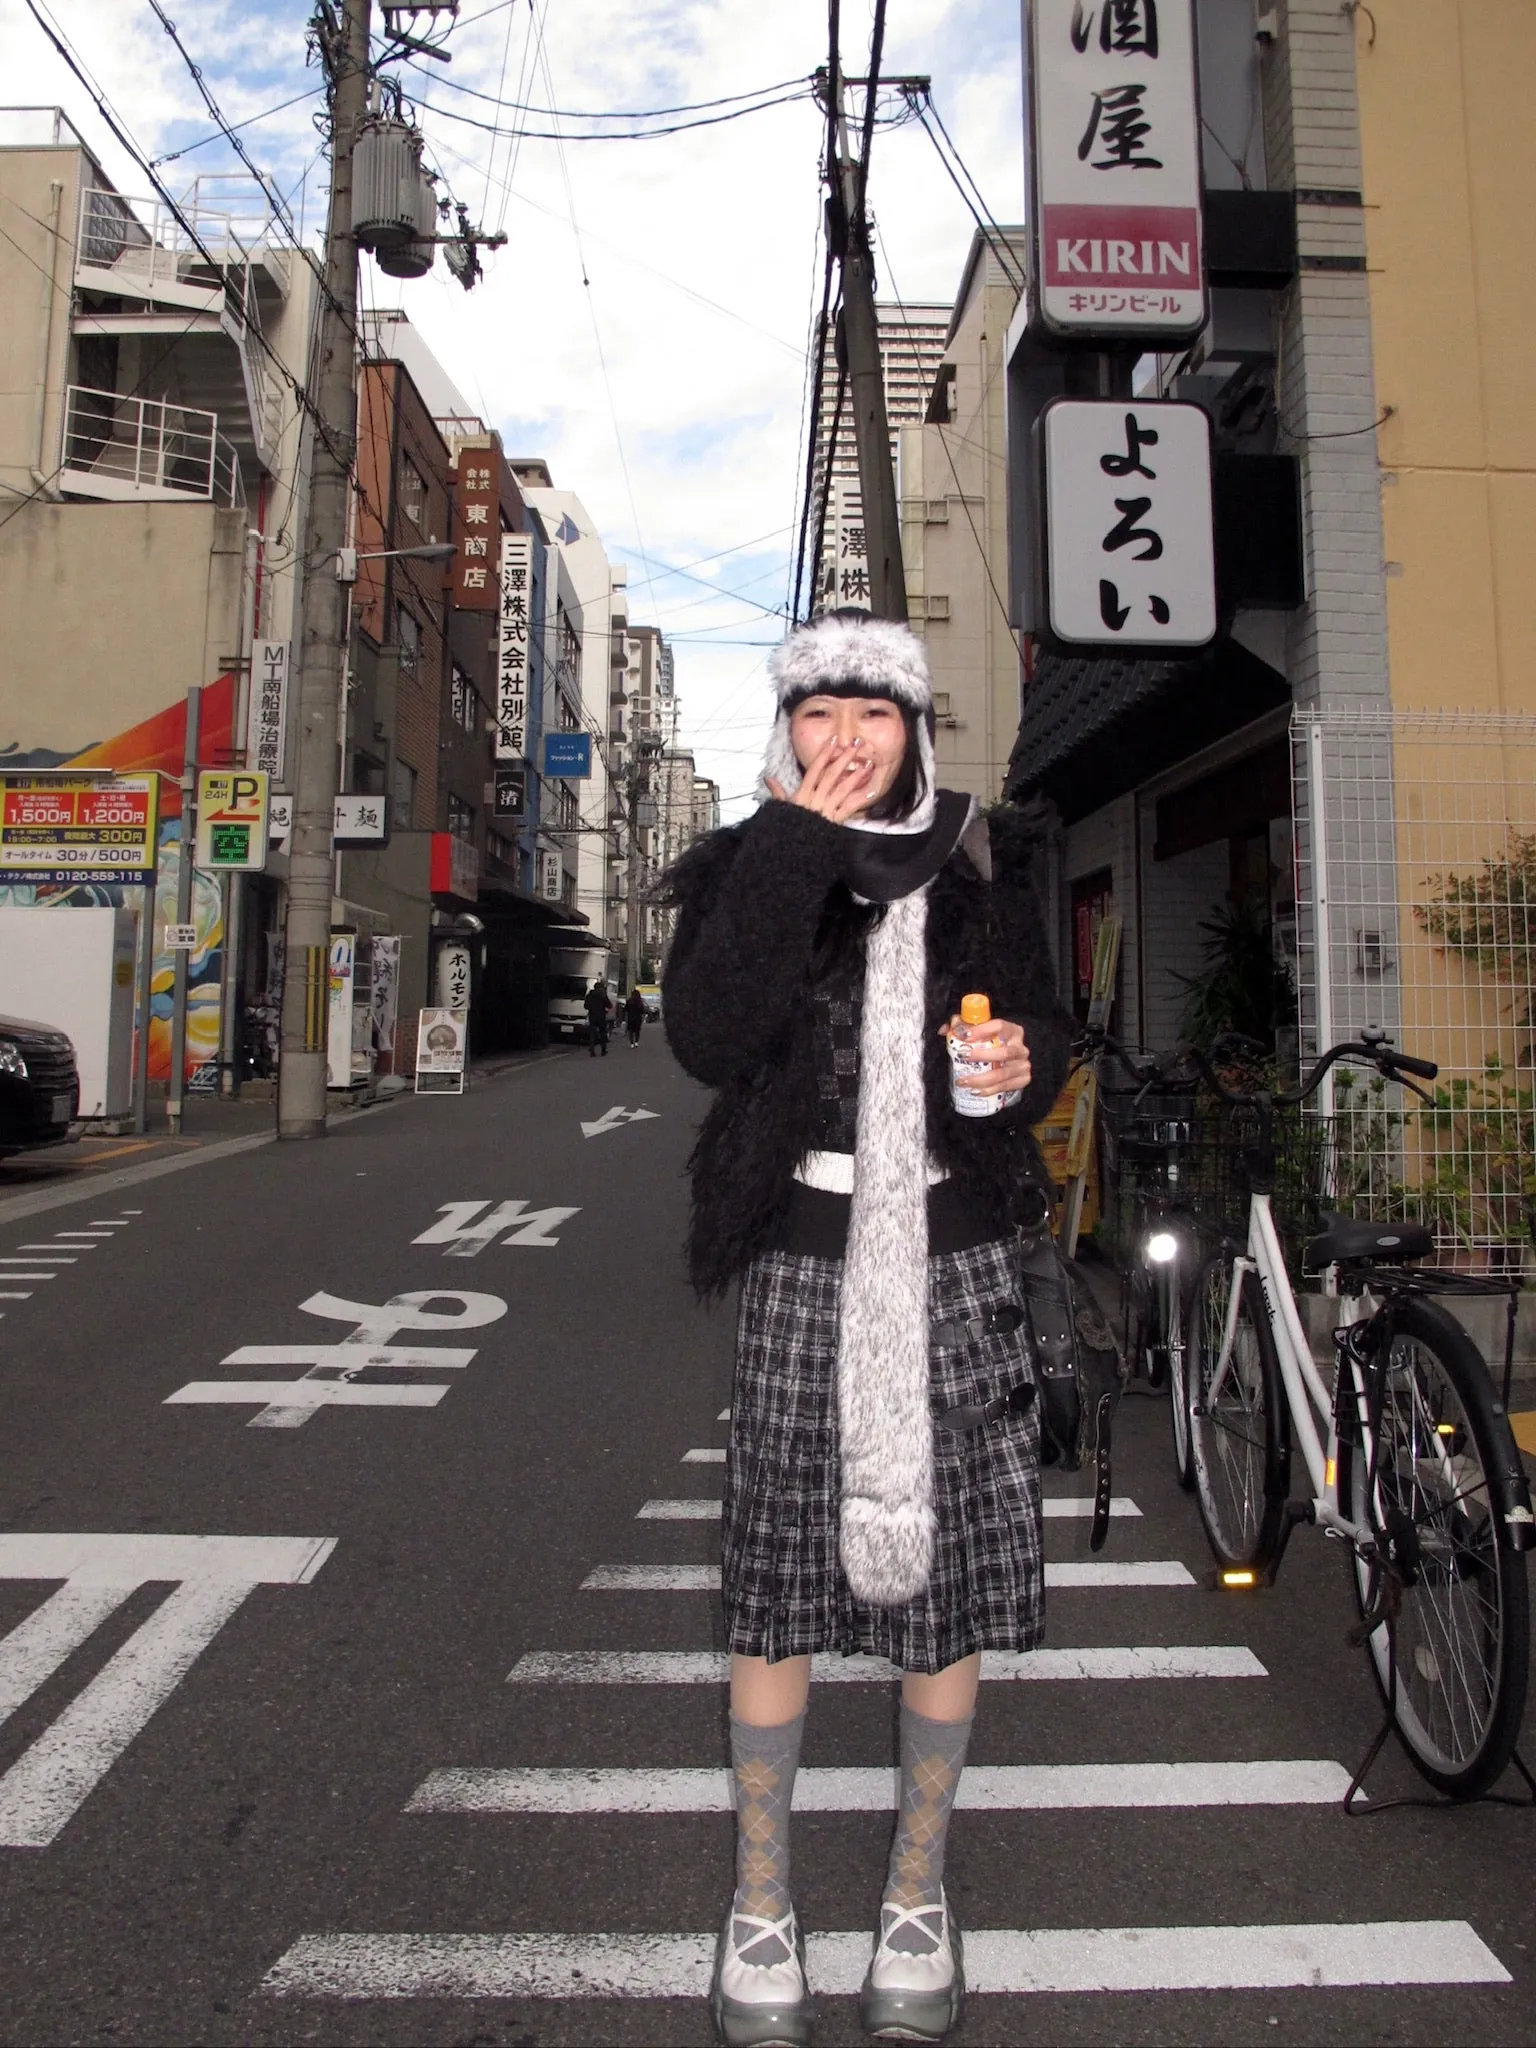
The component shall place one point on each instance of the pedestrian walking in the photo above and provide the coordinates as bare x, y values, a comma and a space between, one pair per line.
599, 1008
634, 1015
882, 1490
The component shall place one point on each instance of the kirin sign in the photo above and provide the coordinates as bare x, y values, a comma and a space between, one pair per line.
1114, 122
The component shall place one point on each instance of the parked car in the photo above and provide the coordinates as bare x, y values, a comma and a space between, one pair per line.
650, 995
39, 1086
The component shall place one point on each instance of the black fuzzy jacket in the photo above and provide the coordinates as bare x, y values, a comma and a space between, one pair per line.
757, 904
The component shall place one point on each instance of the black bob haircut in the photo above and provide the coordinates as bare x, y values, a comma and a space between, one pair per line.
910, 783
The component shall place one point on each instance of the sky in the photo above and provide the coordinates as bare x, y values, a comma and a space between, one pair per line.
645, 327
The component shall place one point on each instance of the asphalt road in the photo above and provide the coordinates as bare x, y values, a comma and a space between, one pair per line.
264, 1778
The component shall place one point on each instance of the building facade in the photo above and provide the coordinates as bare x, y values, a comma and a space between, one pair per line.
1348, 774
153, 486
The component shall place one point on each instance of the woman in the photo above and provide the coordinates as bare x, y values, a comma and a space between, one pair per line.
634, 1015
882, 1485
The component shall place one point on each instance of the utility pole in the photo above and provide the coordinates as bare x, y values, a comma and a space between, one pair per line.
860, 334
301, 1084
639, 787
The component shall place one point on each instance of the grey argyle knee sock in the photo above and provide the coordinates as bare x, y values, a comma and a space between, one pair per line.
763, 1764
932, 1758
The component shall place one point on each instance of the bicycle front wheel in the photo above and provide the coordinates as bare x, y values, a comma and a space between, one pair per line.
1431, 1436
1239, 1434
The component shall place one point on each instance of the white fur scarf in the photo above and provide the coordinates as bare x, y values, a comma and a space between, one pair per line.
885, 1422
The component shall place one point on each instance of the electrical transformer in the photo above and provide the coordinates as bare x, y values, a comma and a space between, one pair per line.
394, 201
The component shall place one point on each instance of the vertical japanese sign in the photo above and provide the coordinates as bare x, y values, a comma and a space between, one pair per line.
1128, 547
512, 647
477, 526
549, 875
1114, 122
266, 718
851, 553
341, 969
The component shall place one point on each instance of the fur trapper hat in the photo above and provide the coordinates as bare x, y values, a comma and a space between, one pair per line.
848, 653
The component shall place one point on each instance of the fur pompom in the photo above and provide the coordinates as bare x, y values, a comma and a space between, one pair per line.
887, 1549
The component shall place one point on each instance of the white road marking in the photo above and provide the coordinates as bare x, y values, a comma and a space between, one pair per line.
712, 1667
465, 1238
44, 1251
51, 1779
709, 1510
703, 1457
108, 1222
31, 1276
85, 1238
724, 1415
288, 1404
997, 1788
614, 1119
24, 1295
334, 1377
705, 1578
1073, 1507
1001, 1961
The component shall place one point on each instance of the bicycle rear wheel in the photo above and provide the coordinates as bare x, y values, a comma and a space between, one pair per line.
1185, 1307
1463, 1631
1239, 1429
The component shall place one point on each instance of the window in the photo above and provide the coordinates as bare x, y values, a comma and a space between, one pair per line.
465, 705
461, 817
413, 491
408, 640
404, 796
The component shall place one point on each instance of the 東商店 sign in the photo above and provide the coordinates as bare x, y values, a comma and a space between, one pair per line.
1115, 211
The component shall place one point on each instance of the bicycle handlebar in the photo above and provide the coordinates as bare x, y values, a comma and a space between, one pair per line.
1391, 1064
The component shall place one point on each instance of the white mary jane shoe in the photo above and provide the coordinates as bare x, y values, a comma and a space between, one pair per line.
914, 1997
760, 2005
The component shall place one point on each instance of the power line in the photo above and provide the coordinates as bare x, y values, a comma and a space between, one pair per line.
990, 232
562, 135
174, 155
795, 85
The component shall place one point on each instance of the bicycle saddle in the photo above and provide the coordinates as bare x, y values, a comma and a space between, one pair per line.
1349, 1240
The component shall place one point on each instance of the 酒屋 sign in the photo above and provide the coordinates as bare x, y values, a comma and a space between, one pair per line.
1114, 122
1129, 559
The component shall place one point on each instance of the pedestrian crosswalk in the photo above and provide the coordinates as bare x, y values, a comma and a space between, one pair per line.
1020, 1962
1017, 1962
38, 1262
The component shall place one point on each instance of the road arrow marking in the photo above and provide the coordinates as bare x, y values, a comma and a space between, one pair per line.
614, 1119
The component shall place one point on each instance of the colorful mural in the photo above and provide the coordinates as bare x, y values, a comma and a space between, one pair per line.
157, 745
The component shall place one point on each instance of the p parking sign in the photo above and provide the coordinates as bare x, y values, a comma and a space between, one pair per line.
232, 819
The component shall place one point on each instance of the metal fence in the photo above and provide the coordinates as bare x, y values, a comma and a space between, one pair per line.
1416, 853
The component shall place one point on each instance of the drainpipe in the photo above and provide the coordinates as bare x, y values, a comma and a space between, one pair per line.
50, 290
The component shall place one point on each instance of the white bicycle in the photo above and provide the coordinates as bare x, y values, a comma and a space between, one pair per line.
1409, 1458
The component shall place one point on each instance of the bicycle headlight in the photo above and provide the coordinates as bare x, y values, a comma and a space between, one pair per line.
11, 1061
1162, 1247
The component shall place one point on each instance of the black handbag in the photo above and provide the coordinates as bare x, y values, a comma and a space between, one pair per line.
1077, 1364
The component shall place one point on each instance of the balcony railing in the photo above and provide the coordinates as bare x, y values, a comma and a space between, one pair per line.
118, 446
143, 243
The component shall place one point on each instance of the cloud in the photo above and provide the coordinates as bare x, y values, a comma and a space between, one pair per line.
644, 327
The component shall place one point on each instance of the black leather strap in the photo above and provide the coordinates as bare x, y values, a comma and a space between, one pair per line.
976, 1415
993, 1322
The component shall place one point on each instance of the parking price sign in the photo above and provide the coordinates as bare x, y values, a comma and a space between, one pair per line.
57, 828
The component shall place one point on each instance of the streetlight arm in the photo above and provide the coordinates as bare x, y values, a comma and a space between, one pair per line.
347, 559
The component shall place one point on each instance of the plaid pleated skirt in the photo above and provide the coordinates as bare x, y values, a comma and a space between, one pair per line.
783, 1583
